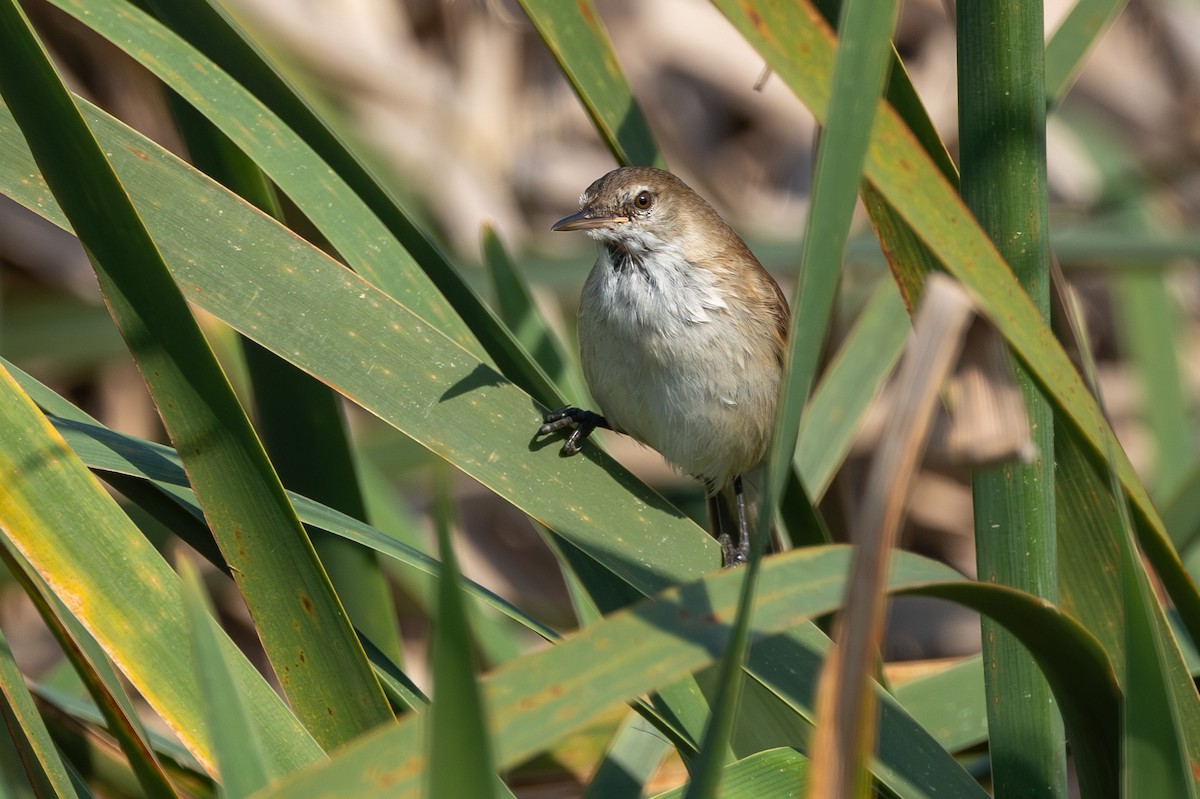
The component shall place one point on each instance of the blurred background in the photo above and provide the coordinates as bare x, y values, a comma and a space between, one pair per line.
468, 113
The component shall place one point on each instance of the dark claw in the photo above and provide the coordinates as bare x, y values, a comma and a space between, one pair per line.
732, 556
556, 420
584, 421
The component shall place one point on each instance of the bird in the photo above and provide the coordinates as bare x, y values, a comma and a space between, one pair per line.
682, 338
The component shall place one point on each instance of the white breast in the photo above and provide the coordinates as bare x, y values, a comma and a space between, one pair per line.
667, 366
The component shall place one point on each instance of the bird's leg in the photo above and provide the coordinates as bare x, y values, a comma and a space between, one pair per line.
584, 421
743, 550
720, 520
716, 519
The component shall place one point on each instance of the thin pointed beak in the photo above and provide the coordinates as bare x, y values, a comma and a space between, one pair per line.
585, 220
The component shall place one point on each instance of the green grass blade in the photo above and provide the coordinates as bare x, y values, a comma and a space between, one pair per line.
1068, 47
585, 608
631, 760
185, 772
151, 464
43, 767
949, 703
498, 640
537, 699
401, 692
909, 762
857, 78
97, 674
186, 523
849, 385
757, 704
1158, 760
1148, 323
685, 707
157, 470
1181, 511
775, 773
302, 625
1085, 690
520, 313
907, 256
578, 41
1156, 752
299, 418
356, 233
1099, 245
303, 429
113, 453
709, 764
86, 547
1090, 525
211, 30
76, 334
1152, 331
1002, 129
460, 761
240, 758
801, 522
534, 701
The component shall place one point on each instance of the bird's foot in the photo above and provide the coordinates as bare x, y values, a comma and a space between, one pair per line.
732, 555
584, 422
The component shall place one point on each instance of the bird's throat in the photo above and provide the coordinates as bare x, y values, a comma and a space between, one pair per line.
623, 259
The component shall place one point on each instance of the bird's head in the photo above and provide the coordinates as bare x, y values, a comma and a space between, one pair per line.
644, 209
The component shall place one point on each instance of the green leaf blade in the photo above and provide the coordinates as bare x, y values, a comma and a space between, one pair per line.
239, 754
245, 504
576, 38
460, 760
117, 585
1002, 124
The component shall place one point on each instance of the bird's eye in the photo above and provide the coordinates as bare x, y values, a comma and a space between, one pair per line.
643, 200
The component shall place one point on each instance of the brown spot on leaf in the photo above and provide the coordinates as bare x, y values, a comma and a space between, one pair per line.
585, 11
307, 603
386, 780
755, 18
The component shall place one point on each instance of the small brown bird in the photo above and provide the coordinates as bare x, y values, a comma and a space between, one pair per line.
682, 335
